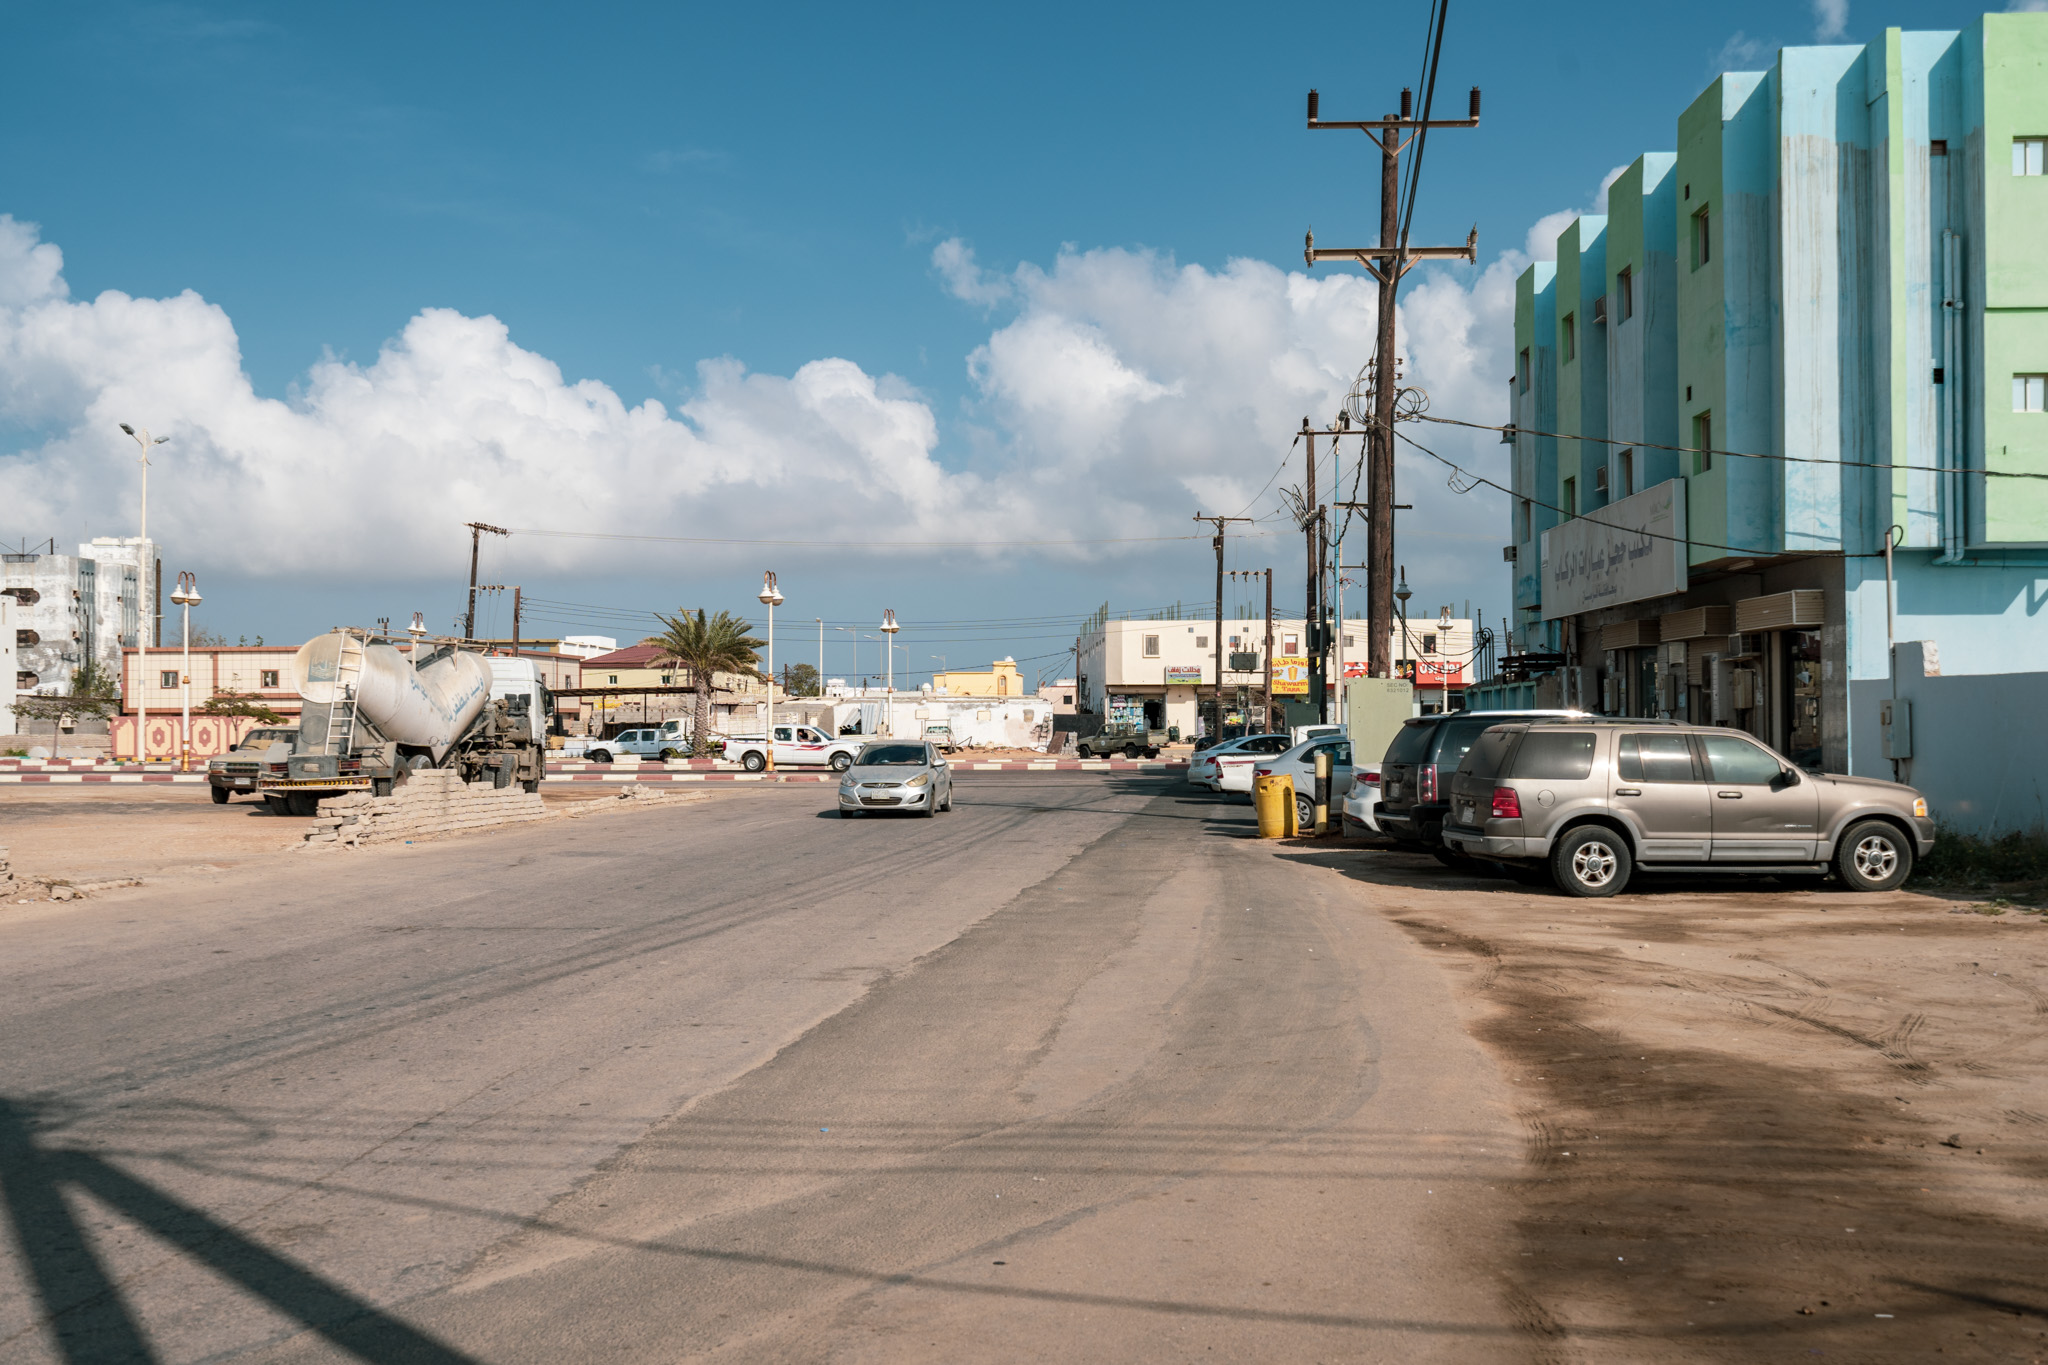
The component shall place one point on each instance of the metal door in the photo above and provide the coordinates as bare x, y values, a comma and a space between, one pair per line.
1763, 811
1658, 780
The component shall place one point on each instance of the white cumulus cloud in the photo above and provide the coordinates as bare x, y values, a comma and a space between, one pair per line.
1118, 392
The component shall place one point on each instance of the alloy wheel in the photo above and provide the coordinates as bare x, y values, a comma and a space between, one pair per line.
1594, 863
1876, 857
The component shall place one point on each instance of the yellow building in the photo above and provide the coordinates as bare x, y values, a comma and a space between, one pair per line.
1001, 679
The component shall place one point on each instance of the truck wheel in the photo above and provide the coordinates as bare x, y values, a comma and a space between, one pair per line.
380, 786
1151, 753
754, 762
220, 796
1081, 751
600, 756
304, 805
667, 754
530, 785
841, 762
1873, 856
276, 805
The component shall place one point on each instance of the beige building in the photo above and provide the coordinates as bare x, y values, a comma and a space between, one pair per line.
1000, 679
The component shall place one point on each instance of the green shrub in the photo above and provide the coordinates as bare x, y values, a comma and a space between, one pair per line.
1971, 860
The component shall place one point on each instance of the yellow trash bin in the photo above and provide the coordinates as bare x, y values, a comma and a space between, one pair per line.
1273, 799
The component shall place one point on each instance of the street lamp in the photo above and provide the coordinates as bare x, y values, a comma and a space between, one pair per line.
1402, 593
143, 439
771, 597
889, 629
942, 666
187, 597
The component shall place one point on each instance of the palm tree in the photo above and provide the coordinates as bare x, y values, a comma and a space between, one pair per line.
704, 647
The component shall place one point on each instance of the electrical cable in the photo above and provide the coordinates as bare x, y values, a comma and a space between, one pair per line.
1478, 479
1736, 454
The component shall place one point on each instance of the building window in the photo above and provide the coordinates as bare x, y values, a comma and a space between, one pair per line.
1702, 238
1600, 478
1201, 642
1066, 699
1571, 497
1522, 369
668, 680
167, 678
1348, 644
1151, 646
1625, 294
612, 678
2028, 155
1702, 442
1625, 467
2030, 392
1290, 645
266, 678
1429, 644
1568, 337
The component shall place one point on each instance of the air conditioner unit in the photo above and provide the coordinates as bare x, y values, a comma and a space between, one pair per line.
1600, 477
1600, 309
1507, 552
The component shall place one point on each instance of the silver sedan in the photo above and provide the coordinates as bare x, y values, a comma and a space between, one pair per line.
896, 775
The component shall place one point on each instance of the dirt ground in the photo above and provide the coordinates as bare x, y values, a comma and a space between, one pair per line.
99, 833
1763, 1123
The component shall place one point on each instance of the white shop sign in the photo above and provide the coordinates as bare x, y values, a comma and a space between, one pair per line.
1626, 551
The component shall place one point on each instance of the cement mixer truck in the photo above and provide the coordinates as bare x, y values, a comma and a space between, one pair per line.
379, 708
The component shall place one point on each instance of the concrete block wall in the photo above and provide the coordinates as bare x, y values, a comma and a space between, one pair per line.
432, 802
6, 872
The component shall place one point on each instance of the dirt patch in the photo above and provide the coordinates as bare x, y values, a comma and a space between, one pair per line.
1762, 1122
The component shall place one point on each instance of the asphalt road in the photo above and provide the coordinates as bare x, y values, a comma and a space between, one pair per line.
1077, 1071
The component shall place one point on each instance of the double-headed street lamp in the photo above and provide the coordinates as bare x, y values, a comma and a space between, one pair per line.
889, 629
147, 442
771, 597
187, 597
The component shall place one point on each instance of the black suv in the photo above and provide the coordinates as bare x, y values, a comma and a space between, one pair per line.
1415, 775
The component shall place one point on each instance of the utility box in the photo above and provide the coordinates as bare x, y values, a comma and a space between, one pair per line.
1895, 726
1376, 709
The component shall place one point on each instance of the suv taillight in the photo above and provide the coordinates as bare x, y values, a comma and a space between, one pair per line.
1506, 805
1425, 787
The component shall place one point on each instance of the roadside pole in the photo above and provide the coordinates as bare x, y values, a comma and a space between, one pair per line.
476, 532
1216, 693
1268, 719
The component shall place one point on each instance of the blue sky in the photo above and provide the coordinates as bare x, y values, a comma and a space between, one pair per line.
635, 190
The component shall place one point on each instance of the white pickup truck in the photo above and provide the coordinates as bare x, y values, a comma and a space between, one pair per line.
796, 746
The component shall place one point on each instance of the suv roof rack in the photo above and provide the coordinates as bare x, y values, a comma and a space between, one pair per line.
1601, 720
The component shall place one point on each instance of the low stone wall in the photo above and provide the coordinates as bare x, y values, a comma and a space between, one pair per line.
434, 801
7, 883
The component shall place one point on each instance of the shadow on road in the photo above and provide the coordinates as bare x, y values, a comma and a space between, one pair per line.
88, 1317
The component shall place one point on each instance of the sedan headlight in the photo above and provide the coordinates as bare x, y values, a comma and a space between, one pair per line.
920, 780
1920, 808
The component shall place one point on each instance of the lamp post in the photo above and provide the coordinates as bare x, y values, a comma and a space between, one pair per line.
1402, 593
889, 629
143, 439
821, 656
771, 596
187, 597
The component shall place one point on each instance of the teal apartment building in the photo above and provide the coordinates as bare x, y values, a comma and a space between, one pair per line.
1823, 317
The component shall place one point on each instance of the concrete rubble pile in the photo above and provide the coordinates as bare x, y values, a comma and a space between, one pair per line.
7, 882
434, 801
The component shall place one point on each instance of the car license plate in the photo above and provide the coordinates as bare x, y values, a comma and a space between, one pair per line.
1465, 814
879, 801
241, 782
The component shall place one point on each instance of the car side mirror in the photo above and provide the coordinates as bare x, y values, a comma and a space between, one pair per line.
1787, 777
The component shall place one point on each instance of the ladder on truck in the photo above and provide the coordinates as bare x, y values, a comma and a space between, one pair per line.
341, 718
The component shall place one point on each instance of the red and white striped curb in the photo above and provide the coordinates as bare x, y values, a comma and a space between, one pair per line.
596, 772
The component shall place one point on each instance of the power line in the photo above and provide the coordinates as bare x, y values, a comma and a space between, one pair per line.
1735, 454
857, 544
1477, 479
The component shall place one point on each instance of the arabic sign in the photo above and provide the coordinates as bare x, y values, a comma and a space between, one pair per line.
1290, 675
1624, 552
1182, 673
1432, 672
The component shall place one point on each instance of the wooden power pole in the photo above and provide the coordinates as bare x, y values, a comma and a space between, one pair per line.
1387, 263
1216, 695
476, 531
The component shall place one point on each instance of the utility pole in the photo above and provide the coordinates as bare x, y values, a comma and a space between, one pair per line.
1216, 696
1311, 617
1387, 263
476, 531
1268, 718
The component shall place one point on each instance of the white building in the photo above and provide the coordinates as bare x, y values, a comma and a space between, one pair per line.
1159, 673
70, 608
586, 646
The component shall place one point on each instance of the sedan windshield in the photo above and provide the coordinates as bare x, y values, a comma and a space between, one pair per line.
892, 755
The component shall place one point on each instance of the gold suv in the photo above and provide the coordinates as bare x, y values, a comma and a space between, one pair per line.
1593, 799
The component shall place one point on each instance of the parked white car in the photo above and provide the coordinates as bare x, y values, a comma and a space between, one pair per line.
1300, 763
796, 746
1227, 766
1362, 802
